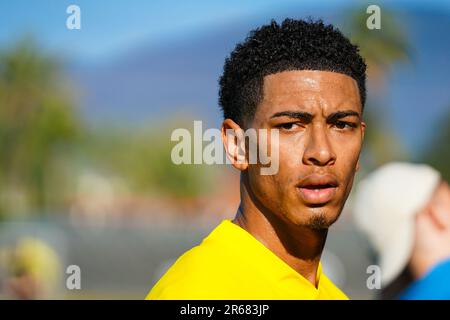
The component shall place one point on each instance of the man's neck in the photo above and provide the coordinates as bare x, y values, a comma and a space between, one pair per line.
298, 246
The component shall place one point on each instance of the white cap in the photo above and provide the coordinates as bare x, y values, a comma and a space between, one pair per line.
385, 204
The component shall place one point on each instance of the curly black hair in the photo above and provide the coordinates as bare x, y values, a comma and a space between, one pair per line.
272, 48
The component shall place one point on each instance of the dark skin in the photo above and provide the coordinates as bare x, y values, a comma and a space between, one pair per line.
319, 118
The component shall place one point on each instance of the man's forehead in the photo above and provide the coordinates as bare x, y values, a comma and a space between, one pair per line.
307, 90
292, 81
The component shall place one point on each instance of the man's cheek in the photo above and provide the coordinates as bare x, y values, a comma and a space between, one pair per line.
349, 153
289, 158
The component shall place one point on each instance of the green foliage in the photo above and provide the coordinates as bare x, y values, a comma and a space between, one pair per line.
381, 49
142, 158
44, 145
36, 120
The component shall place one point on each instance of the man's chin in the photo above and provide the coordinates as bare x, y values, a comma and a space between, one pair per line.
319, 222
316, 219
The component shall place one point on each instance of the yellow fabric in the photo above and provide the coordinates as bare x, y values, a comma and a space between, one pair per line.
231, 264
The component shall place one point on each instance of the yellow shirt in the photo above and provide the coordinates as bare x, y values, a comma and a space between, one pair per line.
232, 264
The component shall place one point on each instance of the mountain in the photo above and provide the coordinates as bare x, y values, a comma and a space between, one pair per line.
179, 76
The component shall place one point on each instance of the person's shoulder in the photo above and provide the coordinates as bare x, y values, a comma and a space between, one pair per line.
331, 291
199, 270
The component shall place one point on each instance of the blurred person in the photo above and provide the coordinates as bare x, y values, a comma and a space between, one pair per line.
34, 270
405, 211
306, 80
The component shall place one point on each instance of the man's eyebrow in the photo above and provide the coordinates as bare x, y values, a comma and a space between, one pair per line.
342, 114
305, 116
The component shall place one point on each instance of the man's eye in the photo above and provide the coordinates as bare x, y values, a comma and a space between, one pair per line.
287, 126
344, 125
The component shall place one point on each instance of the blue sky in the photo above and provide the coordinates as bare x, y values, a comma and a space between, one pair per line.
111, 26
111, 29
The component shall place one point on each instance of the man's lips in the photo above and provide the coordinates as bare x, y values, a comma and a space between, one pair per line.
317, 189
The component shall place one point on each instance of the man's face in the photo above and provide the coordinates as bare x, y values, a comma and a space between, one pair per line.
318, 114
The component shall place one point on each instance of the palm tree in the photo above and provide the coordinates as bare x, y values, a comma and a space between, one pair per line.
381, 49
36, 120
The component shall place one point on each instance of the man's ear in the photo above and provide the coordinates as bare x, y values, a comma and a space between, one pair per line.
234, 144
363, 130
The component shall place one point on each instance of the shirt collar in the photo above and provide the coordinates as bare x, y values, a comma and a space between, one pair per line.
249, 249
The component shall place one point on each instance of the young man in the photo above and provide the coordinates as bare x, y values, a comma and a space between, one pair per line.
307, 81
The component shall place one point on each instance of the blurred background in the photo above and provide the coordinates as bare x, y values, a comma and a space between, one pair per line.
86, 116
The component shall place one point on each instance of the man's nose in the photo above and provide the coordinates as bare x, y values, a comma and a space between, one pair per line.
318, 150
